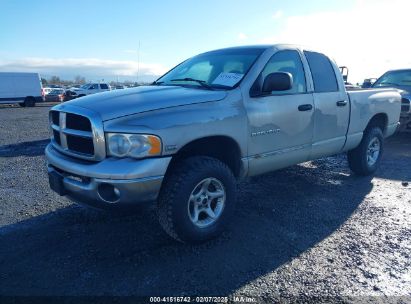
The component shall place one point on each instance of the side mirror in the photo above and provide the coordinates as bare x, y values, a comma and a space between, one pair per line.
278, 81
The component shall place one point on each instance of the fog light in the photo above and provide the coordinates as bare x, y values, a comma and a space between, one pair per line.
108, 193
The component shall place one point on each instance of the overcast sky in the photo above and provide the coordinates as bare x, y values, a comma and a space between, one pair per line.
100, 39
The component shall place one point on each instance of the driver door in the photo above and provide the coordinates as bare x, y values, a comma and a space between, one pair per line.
281, 123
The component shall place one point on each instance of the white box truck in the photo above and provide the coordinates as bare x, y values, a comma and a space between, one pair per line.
22, 88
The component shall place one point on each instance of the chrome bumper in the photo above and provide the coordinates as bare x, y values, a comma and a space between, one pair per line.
108, 182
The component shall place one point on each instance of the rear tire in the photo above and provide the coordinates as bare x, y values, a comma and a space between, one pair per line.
29, 102
365, 159
197, 199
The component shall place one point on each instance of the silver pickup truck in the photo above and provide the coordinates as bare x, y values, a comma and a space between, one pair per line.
185, 140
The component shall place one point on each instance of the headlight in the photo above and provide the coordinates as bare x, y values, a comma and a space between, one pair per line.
132, 145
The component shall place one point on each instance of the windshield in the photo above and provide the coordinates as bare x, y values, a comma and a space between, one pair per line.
394, 78
85, 86
222, 69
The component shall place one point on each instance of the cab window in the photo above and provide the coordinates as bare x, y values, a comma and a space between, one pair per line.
322, 72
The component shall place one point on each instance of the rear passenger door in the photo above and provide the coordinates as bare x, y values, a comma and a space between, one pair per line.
332, 107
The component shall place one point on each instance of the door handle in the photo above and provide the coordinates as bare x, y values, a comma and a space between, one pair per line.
342, 103
305, 107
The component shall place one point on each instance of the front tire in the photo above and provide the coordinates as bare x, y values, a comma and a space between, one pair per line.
197, 199
365, 159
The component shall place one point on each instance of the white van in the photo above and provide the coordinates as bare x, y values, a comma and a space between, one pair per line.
22, 88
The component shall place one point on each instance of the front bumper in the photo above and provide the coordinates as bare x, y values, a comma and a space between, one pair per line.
108, 182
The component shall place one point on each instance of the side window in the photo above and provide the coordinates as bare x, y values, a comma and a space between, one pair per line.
103, 86
283, 61
322, 72
93, 87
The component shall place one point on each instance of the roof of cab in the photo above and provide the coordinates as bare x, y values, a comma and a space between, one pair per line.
262, 47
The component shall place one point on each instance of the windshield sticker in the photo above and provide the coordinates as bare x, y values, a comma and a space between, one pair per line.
228, 79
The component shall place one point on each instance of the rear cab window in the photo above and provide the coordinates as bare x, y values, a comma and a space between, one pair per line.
322, 72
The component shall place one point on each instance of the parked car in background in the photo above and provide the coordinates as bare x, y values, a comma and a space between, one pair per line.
47, 90
368, 82
348, 85
400, 79
55, 86
217, 117
76, 86
22, 88
56, 95
69, 95
91, 88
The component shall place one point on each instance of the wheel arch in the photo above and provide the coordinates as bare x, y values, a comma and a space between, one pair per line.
379, 120
221, 147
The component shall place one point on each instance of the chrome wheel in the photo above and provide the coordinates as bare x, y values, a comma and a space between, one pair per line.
373, 151
206, 202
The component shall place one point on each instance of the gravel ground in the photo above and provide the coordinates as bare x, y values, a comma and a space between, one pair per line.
311, 230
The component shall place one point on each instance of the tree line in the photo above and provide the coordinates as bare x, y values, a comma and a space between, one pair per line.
55, 80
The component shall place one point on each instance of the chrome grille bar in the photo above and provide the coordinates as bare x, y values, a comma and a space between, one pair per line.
67, 136
72, 131
62, 124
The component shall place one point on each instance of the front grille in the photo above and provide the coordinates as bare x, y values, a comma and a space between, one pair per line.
55, 118
56, 136
77, 122
73, 134
80, 144
405, 105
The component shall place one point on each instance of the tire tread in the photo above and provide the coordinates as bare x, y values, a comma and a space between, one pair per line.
182, 171
356, 157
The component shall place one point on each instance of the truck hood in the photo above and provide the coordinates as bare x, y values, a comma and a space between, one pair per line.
118, 103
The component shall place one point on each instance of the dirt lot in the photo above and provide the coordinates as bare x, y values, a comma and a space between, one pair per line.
312, 230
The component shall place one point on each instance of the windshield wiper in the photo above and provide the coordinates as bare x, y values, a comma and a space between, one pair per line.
201, 82
157, 82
